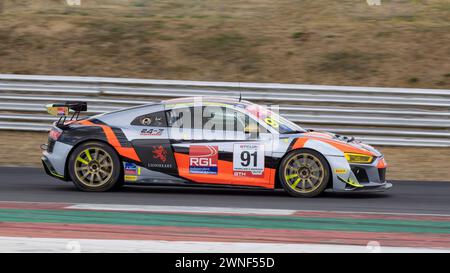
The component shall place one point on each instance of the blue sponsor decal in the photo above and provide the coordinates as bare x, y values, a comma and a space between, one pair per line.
130, 169
203, 170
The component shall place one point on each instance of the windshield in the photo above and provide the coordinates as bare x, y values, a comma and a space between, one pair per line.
274, 120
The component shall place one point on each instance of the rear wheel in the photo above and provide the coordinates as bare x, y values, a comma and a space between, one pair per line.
304, 173
95, 166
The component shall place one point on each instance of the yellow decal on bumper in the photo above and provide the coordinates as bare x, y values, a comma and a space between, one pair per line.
131, 178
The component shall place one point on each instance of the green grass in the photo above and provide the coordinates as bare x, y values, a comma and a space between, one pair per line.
347, 62
298, 34
229, 48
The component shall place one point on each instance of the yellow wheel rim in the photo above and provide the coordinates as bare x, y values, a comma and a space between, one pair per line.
304, 172
93, 167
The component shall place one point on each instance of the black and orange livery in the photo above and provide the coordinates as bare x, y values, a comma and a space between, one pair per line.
201, 141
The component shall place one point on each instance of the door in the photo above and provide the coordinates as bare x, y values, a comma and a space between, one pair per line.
151, 141
220, 145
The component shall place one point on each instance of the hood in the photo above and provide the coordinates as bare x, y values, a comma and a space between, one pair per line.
344, 143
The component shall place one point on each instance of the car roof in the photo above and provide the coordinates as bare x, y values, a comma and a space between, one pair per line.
187, 102
222, 100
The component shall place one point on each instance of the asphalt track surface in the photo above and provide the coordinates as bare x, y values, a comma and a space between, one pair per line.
33, 185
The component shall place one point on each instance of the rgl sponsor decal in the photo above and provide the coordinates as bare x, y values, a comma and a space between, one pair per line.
203, 159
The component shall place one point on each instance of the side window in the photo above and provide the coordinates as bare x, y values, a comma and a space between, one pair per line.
157, 119
228, 119
253, 127
180, 118
222, 119
215, 118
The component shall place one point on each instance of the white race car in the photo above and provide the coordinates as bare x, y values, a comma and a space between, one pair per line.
218, 141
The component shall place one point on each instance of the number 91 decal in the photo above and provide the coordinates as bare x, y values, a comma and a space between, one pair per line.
248, 159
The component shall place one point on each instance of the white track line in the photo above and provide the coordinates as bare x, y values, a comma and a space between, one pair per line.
181, 209
22, 244
224, 210
221, 209
377, 212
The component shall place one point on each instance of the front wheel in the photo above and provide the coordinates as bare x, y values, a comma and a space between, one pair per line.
304, 173
95, 166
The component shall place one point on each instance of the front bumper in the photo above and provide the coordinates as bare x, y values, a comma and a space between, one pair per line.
358, 177
365, 178
367, 187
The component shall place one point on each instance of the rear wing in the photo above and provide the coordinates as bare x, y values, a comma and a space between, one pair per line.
62, 110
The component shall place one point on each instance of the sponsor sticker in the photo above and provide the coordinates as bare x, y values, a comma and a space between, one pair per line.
131, 169
131, 178
203, 159
160, 153
248, 159
61, 111
151, 132
152, 121
340, 171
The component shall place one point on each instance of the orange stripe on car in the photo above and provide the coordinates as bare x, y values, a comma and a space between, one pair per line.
300, 142
112, 139
346, 148
129, 153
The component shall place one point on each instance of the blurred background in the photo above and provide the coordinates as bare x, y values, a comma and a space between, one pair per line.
396, 43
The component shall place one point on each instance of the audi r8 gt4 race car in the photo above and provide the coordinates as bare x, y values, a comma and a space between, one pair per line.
220, 141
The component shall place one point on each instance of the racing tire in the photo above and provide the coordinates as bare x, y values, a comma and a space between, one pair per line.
304, 173
95, 167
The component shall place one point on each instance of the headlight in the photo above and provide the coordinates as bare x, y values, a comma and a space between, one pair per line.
358, 158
